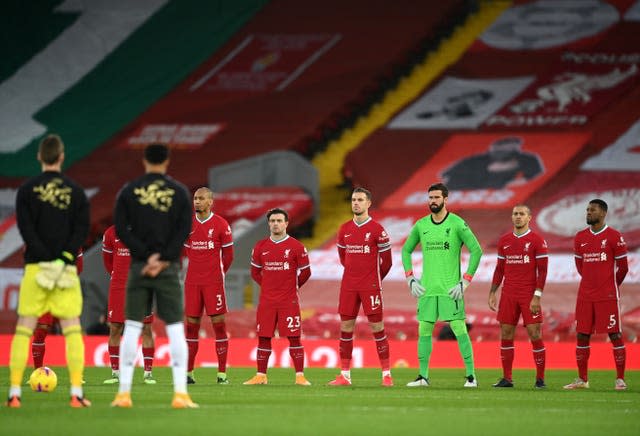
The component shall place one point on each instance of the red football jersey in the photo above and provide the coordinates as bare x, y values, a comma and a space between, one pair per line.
362, 245
115, 255
598, 253
280, 261
204, 248
520, 255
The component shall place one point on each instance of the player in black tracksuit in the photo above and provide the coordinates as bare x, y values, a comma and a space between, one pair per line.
153, 219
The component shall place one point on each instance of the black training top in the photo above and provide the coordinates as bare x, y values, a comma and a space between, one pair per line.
153, 215
53, 216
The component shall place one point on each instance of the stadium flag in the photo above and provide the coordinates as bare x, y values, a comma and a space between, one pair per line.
458, 103
478, 181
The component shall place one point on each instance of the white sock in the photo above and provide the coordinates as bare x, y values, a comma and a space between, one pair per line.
15, 391
386, 372
346, 374
179, 354
77, 391
128, 350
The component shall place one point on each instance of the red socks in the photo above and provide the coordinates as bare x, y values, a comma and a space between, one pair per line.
296, 351
619, 356
539, 357
583, 349
222, 345
264, 351
114, 357
193, 330
38, 347
147, 354
382, 347
506, 357
346, 348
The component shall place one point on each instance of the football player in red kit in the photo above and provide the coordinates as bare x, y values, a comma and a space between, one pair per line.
522, 262
601, 260
280, 265
365, 253
117, 259
209, 249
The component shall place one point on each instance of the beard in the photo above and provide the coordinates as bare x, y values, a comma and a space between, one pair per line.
592, 221
435, 208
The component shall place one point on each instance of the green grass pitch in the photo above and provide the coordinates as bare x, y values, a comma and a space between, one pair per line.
366, 408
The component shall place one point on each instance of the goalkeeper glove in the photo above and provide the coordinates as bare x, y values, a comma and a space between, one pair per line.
49, 273
417, 290
457, 292
68, 278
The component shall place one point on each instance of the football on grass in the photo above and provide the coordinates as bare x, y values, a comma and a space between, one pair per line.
43, 379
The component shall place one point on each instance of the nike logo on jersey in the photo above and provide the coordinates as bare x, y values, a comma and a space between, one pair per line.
537, 315
347, 235
505, 247
264, 253
293, 330
583, 244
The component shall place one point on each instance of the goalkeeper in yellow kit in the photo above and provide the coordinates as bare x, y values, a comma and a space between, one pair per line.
440, 292
53, 218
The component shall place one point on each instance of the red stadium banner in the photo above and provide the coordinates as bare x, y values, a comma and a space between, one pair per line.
563, 215
489, 170
568, 95
324, 354
253, 203
546, 25
263, 62
181, 135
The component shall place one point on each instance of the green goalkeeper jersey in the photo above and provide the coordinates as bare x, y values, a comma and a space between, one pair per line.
441, 246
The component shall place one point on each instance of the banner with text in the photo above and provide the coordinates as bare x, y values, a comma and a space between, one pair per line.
324, 354
489, 170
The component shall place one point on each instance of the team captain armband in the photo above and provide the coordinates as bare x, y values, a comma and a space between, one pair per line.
467, 277
409, 273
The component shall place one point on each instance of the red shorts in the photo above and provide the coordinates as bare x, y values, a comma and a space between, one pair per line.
597, 317
47, 319
350, 302
210, 297
510, 308
286, 318
115, 310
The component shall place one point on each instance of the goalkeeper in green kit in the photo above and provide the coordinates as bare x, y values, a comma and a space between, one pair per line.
440, 292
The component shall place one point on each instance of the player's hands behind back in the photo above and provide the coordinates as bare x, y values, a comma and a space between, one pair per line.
49, 273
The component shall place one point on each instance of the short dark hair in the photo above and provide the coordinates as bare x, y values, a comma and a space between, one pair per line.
439, 187
50, 149
364, 191
603, 204
525, 206
277, 210
156, 153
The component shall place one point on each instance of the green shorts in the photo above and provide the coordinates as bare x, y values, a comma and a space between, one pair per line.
443, 308
165, 287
